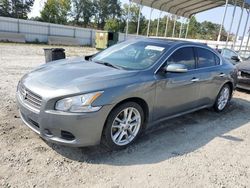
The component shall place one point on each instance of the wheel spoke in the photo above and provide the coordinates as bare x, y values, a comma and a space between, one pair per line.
118, 119
135, 118
127, 137
130, 115
116, 126
219, 101
133, 124
125, 114
117, 134
120, 137
131, 132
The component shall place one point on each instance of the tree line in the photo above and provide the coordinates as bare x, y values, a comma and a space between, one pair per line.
107, 15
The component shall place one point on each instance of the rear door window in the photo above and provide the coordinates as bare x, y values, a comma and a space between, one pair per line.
206, 58
217, 59
183, 56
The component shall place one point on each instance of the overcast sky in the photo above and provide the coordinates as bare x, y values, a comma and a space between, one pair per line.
213, 15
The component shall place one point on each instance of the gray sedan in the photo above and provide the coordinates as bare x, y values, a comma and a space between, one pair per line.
118, 93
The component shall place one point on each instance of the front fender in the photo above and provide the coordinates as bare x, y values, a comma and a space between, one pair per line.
115, 95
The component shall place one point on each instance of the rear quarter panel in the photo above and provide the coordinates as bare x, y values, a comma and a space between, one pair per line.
231, 75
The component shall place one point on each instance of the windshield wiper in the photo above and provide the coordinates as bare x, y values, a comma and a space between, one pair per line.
109, 64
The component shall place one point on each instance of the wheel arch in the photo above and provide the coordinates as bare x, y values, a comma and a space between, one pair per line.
139, 101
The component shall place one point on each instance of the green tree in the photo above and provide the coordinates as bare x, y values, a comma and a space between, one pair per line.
205, 30
15, 8
105, 10
56, 11
37, 18
5, 8
210, 31
133, 19
82, 12
194, 28
162, 26
112, 25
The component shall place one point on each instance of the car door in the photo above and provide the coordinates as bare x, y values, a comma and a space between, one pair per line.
177, 92
210, 75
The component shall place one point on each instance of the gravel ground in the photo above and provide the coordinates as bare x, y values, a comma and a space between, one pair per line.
202, 149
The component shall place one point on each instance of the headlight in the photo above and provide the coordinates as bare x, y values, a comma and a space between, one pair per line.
239, 73
80, 103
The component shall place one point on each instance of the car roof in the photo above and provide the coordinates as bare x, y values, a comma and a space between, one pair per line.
171, 42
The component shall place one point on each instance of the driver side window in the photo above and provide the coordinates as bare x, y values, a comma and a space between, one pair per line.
183, 56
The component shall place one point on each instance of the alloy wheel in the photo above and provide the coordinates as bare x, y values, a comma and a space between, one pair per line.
223, 98
126, 126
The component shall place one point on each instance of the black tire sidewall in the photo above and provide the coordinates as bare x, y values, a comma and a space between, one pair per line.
107, 140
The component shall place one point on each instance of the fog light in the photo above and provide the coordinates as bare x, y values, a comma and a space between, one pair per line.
47, 132
67, 135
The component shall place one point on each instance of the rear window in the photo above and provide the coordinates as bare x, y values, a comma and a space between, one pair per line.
206, 58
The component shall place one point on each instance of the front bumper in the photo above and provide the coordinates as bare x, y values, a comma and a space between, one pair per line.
243, 83
72, 129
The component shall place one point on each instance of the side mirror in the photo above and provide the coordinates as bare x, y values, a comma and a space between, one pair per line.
88, 57
235, 58
176, 68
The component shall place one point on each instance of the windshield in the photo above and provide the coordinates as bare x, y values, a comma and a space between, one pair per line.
136, 55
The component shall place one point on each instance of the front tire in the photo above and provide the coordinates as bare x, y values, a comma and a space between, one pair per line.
123, 125
223, 98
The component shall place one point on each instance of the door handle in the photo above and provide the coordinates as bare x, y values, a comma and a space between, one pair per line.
222, 75
195, 80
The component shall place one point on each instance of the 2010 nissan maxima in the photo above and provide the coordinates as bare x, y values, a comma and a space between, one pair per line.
121, 91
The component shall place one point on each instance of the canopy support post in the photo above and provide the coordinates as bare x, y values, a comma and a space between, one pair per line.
180, 34
149, 22
175, 19
237, 32
188, 22
139, 19
158, 23
128, 18
166, 28
222, 23
244, 32
247, 41
231, 24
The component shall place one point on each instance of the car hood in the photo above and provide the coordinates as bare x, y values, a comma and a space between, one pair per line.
244, 66
76, 73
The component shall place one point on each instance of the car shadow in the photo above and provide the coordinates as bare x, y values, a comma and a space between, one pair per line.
169, 139
243, 90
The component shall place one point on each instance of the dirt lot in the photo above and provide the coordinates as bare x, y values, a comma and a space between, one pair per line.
202, 149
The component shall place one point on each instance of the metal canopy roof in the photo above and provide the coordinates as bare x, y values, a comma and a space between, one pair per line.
186, 8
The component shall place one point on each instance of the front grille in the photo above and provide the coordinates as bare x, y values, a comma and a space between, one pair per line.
29, 97
34, 123
30, 122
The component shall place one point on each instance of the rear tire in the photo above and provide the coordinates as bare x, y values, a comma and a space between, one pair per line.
123, 126
223, 98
